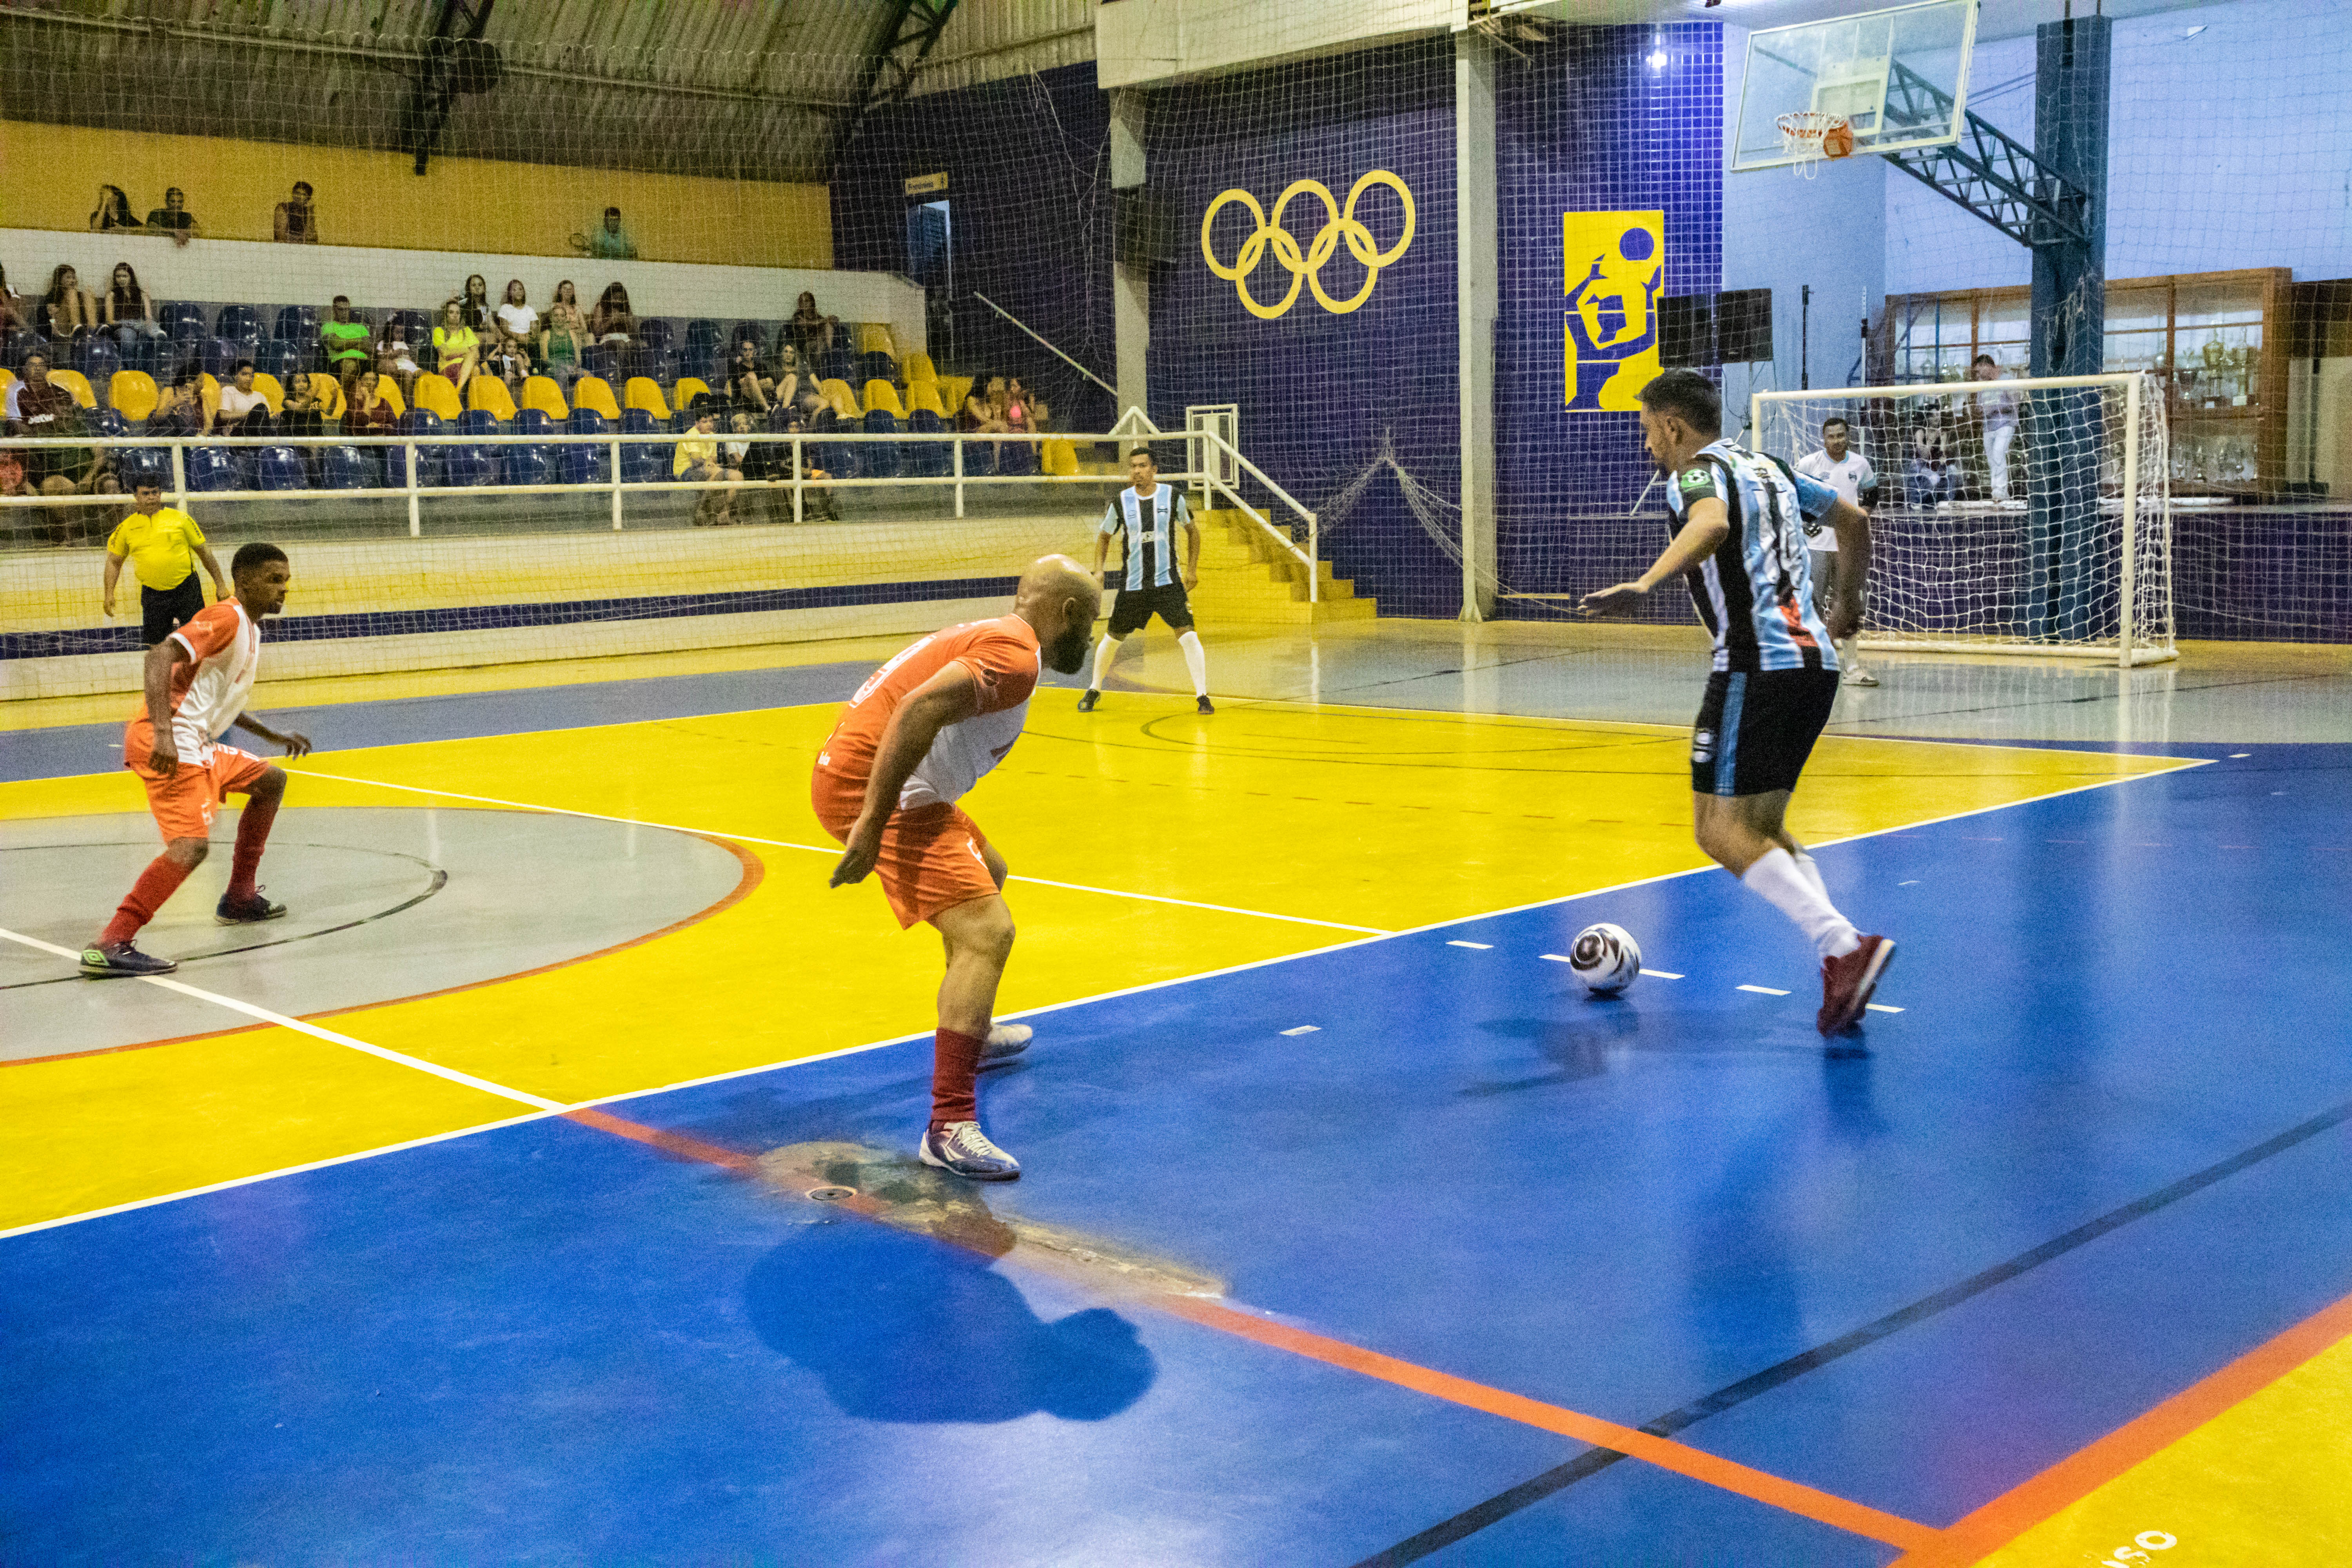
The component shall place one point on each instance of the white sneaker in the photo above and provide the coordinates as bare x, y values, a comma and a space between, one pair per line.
1006, 1040
961, 1149
1858, 675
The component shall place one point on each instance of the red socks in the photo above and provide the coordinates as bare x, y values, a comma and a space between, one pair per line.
158, 882
252, 836
955, 1066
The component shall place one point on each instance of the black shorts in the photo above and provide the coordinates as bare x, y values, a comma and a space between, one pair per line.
1755, 732
166, 608
1136, 606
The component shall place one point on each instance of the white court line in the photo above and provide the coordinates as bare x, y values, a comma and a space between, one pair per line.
831, 849
1481, 946
1304, 1029
283, 1022
1662, 974
1763, 990
1559, 958
1881, 1007
1150, 985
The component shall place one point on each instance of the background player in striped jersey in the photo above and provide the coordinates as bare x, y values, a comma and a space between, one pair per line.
1740, 541
921, 732
1146, 516
1849, 473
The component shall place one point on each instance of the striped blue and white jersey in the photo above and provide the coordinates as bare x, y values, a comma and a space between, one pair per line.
1756, 592
1149, 523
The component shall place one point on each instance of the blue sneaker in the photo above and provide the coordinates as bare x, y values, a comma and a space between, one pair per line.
1086, 703
1005, 1041
106, 960
251, 909
961, 1149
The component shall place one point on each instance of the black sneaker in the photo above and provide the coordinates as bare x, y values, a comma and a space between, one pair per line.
106, 960
1202, 704
233, 910
1086, 703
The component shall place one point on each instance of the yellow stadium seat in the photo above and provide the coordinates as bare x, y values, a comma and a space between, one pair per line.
73, 381
644, 392
918, 367
7, 380
953, 390
925, 394
595, 394
837, 393
540, 392
874, 337
437, 396
688, 388
489, 391
330, 394
881, 394
271, 392
1061, 458
389, 390
209, 391
131, 394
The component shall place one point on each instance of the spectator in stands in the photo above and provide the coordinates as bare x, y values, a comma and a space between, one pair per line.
792, 376
344, 341
747, 383
243, 411
37, 405
71, 311
395, 356
612, 323
812, 329
306, 412
697, 461
180, 407
12, 474
984, 412
816, 506
609, 241
475, 298
1998, 410
367, 411
1033, 407
127, 313
113, 210
295, 221
518, 326
1931, 472
174, 218
16, 310
563, 337
458, 347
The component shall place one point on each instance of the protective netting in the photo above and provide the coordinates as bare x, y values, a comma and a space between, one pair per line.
2006, 516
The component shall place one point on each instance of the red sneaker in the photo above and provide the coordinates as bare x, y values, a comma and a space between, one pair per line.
1847, 982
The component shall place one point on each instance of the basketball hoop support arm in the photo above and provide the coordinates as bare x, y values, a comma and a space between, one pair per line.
1987, 171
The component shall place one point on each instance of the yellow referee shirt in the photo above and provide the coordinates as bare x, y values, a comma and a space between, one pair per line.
162, 548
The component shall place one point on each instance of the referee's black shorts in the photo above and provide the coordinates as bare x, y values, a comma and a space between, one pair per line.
166, 608
1755, 732
1136, 606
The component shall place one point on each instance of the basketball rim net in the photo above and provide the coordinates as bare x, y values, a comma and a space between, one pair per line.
1809, 136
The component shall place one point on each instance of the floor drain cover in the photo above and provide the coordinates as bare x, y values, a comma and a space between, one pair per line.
831, 1194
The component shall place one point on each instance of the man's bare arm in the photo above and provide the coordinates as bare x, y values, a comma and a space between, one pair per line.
948, 698
296, 743
113, 575
1707, 526
1852, 526
164, 758
1102, 552
1192, 553
220, 578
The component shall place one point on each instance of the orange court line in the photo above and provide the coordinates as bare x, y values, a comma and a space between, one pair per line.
2076, 1476
1792, 1497
678, 1144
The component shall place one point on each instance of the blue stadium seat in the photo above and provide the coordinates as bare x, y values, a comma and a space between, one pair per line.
280, 468
272, 357
876, 365
839, 458
533, 421
646, 460
879, 459
655, 333
151, 464
220, 356
524, 466
242, 323
604, 362
175, 314
463, 466
1019, 457
706, 368
94, 357
298, 324
661, 365
108, 422
479, 422
979, 459
585, 465
415, 422
214, 469
701, 338
926, 458
835, 364
346, 468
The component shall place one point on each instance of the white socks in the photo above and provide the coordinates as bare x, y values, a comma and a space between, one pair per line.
1195, 660
1782, 879
1104, 653
1812, 871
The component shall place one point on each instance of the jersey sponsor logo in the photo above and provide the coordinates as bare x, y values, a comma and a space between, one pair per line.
1340, 226
1612, 264
1697, 479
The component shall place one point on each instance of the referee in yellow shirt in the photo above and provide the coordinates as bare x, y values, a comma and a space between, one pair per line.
164, 545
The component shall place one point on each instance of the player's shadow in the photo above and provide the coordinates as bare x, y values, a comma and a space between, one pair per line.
901, 1328
1578, 1049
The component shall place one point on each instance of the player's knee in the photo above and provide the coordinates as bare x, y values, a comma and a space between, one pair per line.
189, 852
992, 934
268, 786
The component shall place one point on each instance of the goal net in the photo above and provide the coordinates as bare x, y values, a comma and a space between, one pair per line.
2026, 517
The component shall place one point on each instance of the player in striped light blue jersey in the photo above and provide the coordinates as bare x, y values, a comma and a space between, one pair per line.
1738, 537
1145, 518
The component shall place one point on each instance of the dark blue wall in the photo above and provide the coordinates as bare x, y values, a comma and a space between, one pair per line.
1028, 167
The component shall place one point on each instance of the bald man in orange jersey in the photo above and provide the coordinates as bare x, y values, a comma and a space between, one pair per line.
919, 733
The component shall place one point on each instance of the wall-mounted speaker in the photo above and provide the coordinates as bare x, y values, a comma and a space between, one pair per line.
1696, 331
1147, 228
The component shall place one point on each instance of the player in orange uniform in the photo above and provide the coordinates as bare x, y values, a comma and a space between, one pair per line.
198, 682
919, 733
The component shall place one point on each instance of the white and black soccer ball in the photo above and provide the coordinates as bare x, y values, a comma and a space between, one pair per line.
1606, 958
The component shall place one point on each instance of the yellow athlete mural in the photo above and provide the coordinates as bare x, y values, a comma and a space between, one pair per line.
1339, 224
1610, 266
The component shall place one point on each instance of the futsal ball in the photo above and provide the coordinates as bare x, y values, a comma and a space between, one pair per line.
1606, 958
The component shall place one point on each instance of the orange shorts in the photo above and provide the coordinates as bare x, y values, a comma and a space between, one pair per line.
933, 857
183, 802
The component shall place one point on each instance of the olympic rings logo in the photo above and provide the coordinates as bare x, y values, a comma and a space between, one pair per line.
1340, 225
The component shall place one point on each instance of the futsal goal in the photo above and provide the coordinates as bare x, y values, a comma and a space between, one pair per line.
2010, 517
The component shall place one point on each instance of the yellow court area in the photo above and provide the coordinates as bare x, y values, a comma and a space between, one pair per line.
1148, 844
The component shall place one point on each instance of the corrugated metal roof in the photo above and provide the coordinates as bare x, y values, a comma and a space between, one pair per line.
749, 89
988, 39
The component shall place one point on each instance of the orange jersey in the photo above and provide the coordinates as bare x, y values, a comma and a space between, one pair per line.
1004, 662
209, 692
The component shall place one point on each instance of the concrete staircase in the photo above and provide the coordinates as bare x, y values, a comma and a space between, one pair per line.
1246, 576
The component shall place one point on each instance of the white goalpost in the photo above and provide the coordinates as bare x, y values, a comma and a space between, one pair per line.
2011, 516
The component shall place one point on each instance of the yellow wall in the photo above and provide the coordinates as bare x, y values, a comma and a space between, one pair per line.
50, 176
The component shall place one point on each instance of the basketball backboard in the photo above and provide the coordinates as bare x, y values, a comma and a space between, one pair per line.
1897, 78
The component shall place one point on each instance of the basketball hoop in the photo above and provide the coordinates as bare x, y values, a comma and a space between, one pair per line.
1809, 136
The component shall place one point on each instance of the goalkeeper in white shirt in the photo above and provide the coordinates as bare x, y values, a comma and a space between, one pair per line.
1849, 473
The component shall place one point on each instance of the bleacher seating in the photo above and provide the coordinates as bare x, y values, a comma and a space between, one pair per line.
416, 422
280, 468
296, 324
239, 323
874, 337
702, 340
215, 469
388, 390
489, 391
346, 468
220, 356
437, 396
1017, 457
926, 458
684, 391
835, 364
106, 422
837, 396
583, 464
96, 362
540, 392
953, 390
524, 466
644, 393
175, 314
272, 393
644, 461
73, 381
596, 393
602, 361
918, 368
880, 459
875, 365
